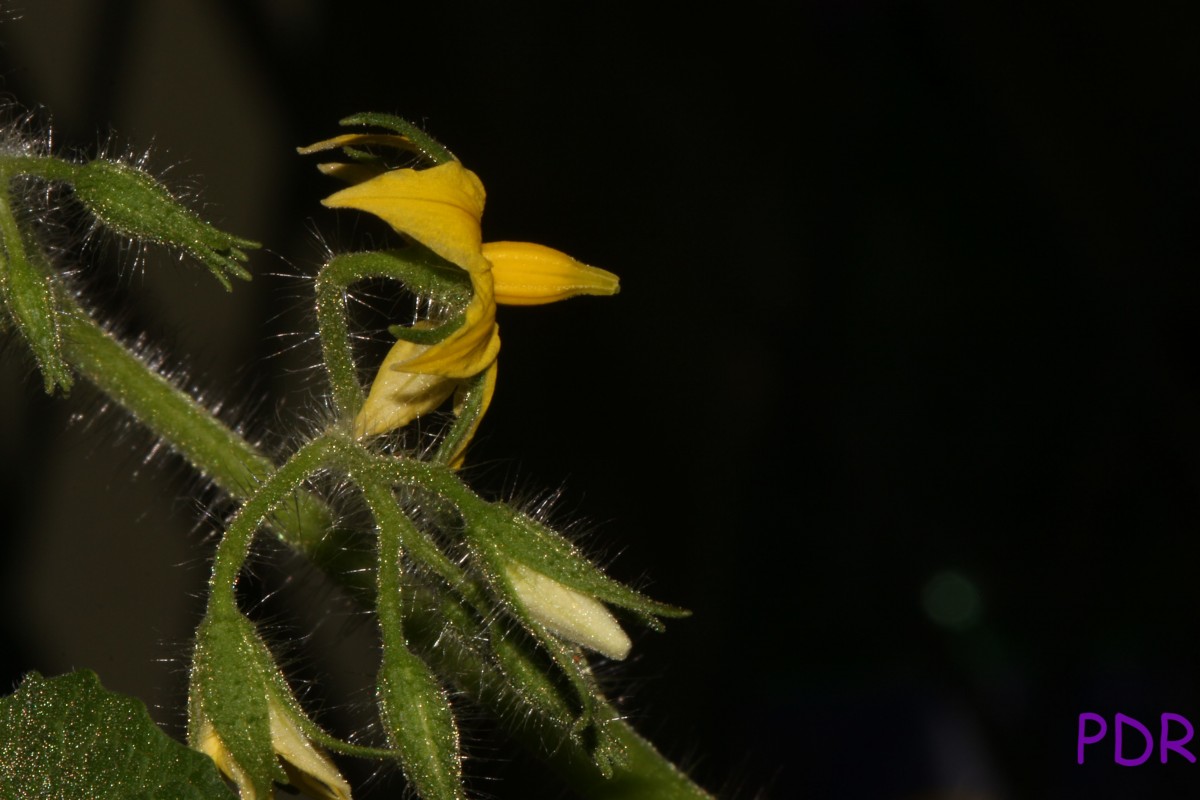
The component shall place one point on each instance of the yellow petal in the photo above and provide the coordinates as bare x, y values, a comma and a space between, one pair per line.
209, 743
414, 379
532, 274
397, 398
439, 207
307, 767
473, 347
565, 612
351, 139
350, 173
465, 353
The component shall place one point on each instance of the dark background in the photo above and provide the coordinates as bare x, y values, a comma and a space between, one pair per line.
901, 393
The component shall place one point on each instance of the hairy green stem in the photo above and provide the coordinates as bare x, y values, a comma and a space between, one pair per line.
273, 492
643, 774
236, 466
212, 448
394, 527
331, 288
306, 523
45, 167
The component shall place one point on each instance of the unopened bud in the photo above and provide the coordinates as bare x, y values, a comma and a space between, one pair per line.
574, 616
135, 204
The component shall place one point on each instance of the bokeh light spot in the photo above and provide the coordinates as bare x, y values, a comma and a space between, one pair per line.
952, 600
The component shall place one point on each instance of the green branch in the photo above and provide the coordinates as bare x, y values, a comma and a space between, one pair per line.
233, 464
212, 448
65, 337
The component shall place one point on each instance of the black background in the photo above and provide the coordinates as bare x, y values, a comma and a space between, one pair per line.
907, 289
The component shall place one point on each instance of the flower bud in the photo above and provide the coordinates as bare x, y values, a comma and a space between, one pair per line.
134, 204
574, 616
242, 714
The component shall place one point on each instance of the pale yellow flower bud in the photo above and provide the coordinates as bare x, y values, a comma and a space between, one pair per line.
574, 616
209, 743
307, 767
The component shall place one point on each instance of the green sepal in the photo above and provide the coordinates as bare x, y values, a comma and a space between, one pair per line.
526, 674
586, 720
229, 689
429, 335
504, 534
468, 407
500, 536
606, 744
420, 725
590, 729
28, 292
69, 738
135, 204
528, 679
421, 141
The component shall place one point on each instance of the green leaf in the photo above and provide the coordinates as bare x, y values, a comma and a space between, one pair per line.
68, 737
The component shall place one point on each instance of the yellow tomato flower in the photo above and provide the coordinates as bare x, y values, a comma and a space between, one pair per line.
307, 767
441, 207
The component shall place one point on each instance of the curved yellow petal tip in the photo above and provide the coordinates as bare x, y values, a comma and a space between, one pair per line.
469, 350
531, 274
351, 139
350, 173
439, 207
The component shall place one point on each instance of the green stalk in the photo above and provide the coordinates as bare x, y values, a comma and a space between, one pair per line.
215, 451
413, 706
274, 491
331, 287
237, 467
643, 773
